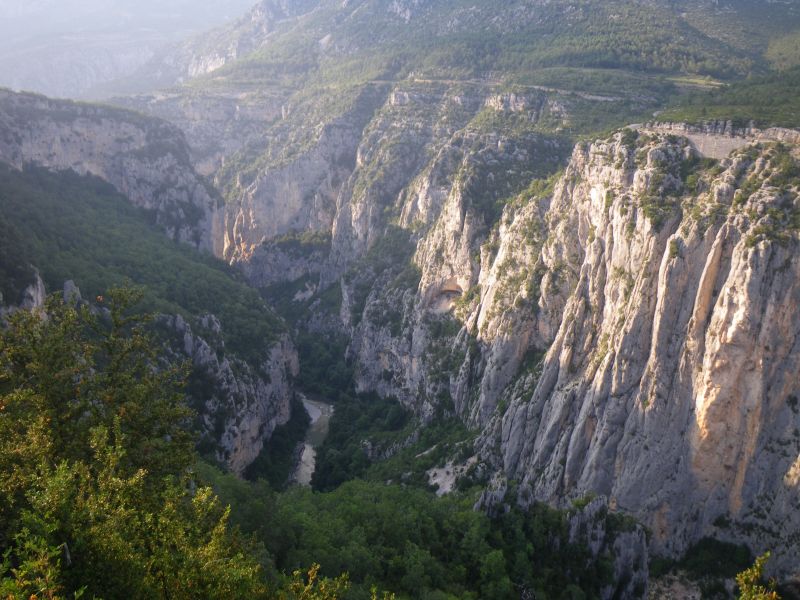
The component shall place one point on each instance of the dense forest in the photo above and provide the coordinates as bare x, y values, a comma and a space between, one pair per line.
103, 495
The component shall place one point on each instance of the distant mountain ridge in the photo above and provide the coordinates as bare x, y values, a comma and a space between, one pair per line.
69, 48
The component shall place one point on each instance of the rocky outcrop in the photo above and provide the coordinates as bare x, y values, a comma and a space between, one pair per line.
624, 329
289, 258
296, 189
617, 537
239, 404
146, 160
669, 385
717, 139
32, 297
641, 272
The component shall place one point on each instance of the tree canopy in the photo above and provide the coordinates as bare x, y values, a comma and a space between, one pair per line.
98, 496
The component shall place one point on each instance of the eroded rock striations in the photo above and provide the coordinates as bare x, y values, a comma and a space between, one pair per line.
670, 385
626, 328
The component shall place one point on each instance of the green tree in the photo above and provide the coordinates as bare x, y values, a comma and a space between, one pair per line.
311, 587
98, 497
96, 494
750, 582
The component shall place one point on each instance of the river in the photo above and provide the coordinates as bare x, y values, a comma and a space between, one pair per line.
320, 414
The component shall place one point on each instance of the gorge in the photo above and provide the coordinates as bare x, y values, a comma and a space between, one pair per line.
535, 260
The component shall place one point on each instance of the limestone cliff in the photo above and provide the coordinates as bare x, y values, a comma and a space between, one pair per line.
670, 385
147, 160
625, 328
424, 196
297, 192
239, 404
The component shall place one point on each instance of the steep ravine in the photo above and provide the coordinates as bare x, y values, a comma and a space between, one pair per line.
240, 401
625, 329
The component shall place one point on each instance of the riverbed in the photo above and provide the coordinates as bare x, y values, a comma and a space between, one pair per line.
320, 414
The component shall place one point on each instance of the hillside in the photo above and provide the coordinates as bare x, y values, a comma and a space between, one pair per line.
413, 178
533, 253
64, 227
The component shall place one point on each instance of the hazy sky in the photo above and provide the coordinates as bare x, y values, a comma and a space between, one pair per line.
25, 18
69, 47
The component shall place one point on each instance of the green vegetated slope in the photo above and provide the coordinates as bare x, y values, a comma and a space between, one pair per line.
766, 101
614, 62
416, 544
79, 228
461, 39
617, 46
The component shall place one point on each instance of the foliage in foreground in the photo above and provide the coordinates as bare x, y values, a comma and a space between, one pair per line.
751, 585
97, 495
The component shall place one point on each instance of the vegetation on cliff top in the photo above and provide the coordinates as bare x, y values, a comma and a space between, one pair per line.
766, 101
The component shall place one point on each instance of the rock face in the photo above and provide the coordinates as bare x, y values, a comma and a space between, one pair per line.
294, 195
617, 537
421, 202
670, 385
717, 139
32, 297
216, 126
145, 159
625, 329
239, 405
